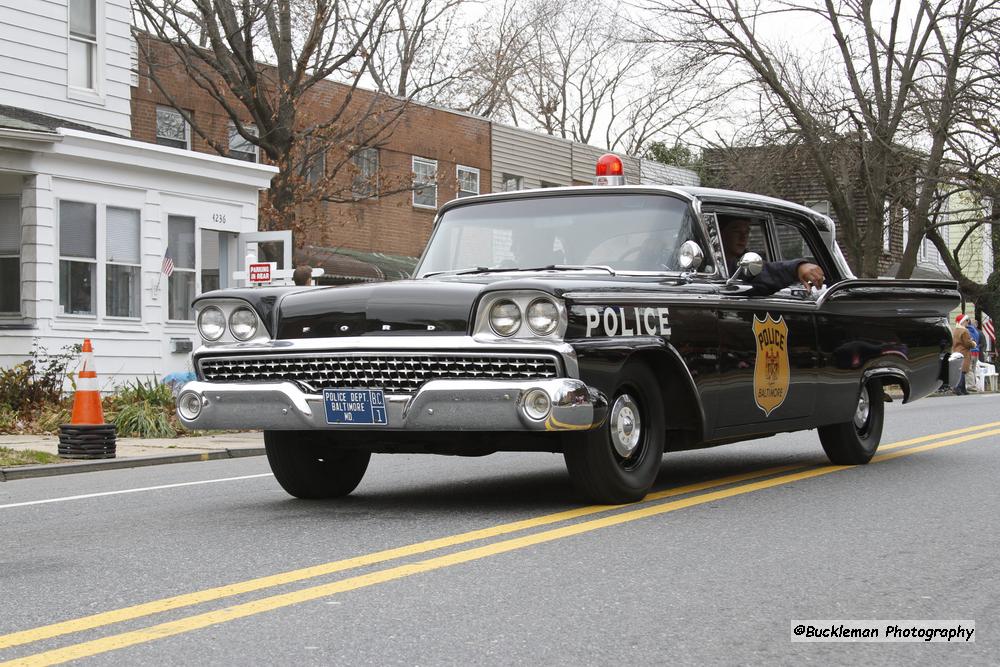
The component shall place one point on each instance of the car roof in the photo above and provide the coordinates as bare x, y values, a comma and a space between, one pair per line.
689, 193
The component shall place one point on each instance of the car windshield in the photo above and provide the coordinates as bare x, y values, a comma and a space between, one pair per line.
624, 232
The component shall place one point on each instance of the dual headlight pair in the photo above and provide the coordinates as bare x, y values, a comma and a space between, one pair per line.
243, 323
541, 315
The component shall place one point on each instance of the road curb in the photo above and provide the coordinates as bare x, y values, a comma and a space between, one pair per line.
47, 470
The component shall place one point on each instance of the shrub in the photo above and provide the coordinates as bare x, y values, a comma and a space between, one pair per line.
142, 409
37, 381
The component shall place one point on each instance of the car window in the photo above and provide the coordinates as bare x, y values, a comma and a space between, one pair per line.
792, 243
735, 244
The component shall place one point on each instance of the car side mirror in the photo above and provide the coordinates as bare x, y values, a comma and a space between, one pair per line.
690, 256
749, 266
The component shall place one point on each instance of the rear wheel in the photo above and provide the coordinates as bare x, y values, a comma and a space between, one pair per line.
307, 465
855, 442
618, 462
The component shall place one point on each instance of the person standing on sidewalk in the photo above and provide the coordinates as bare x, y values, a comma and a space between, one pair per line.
962, 343
970, 379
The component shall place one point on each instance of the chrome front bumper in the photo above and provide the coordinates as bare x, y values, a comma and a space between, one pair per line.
439, 405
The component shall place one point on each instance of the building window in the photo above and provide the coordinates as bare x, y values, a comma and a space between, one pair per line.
77, 257
424, 182
10, 255
180, 242
239, 147
468, 181
123, 270
316, 167
906, 228
82, 57
365, 183
172, 129
512, 182
549, 184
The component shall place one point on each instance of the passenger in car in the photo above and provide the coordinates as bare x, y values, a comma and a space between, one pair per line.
735, 231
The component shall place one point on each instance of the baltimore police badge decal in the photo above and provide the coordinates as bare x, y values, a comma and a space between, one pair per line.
771, 371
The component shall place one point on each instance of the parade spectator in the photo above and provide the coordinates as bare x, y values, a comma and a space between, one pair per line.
970, 381
302, 275
962, 343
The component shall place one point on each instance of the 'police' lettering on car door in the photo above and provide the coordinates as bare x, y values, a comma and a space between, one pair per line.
627, 321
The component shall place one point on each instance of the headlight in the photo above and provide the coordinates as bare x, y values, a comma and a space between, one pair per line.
505, 317
211, 323
243, 323
543, 316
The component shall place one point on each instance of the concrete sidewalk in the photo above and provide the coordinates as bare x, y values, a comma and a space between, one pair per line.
134, 452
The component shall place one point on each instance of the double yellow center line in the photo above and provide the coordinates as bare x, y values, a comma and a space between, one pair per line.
723, 488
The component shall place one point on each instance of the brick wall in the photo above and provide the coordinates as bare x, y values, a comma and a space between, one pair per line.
389, 223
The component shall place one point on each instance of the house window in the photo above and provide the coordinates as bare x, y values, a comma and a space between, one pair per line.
549, 184
10, 255
365, 183
906, 227
512, 182
172, 129
468, 181
77, 257
424, 182
241, 148
316, 169
123, 270
82, 56
180, 242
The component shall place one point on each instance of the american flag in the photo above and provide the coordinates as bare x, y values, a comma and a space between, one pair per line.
168, 263
988, 328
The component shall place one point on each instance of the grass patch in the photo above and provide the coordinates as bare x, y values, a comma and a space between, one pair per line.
16, 457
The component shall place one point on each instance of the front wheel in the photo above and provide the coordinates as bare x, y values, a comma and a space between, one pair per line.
307, 465
855, 442
618, 462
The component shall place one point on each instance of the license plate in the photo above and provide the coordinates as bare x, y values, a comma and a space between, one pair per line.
355, 406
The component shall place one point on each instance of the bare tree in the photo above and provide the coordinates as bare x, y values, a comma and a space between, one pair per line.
890, 87
420, 55
260, 61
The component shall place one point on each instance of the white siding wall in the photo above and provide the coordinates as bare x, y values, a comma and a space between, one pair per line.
159, 182
34, 47
657, 173
534, 157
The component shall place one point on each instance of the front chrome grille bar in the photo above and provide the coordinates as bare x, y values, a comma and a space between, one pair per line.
395, 373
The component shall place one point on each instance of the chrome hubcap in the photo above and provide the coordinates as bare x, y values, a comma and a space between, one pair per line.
626, 426
864, 407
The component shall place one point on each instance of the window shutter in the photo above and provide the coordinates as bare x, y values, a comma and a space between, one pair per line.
123, 235
10, 227
77, 229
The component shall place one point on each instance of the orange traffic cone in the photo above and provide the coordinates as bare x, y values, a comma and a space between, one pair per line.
87, 436
87, 399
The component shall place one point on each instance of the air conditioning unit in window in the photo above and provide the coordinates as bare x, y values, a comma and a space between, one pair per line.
181, 345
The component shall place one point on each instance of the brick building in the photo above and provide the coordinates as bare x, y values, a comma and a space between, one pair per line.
448, 152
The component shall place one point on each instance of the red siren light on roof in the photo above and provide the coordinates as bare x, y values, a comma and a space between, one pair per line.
610, 170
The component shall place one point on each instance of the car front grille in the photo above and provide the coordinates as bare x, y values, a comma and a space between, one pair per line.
395, 373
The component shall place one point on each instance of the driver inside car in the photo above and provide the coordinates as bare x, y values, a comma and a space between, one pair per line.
774, 276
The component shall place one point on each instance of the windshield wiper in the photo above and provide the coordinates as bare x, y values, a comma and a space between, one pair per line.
508, 269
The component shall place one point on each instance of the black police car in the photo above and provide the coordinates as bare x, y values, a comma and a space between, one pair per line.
599, 322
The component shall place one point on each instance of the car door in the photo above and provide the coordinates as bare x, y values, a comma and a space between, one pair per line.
767, 344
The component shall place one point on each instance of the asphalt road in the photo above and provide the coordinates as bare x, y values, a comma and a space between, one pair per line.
211, 568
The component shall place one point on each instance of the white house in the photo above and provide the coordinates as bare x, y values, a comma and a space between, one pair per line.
87, 214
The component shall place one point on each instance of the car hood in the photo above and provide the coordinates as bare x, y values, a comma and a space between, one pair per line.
403, 307
438, 307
